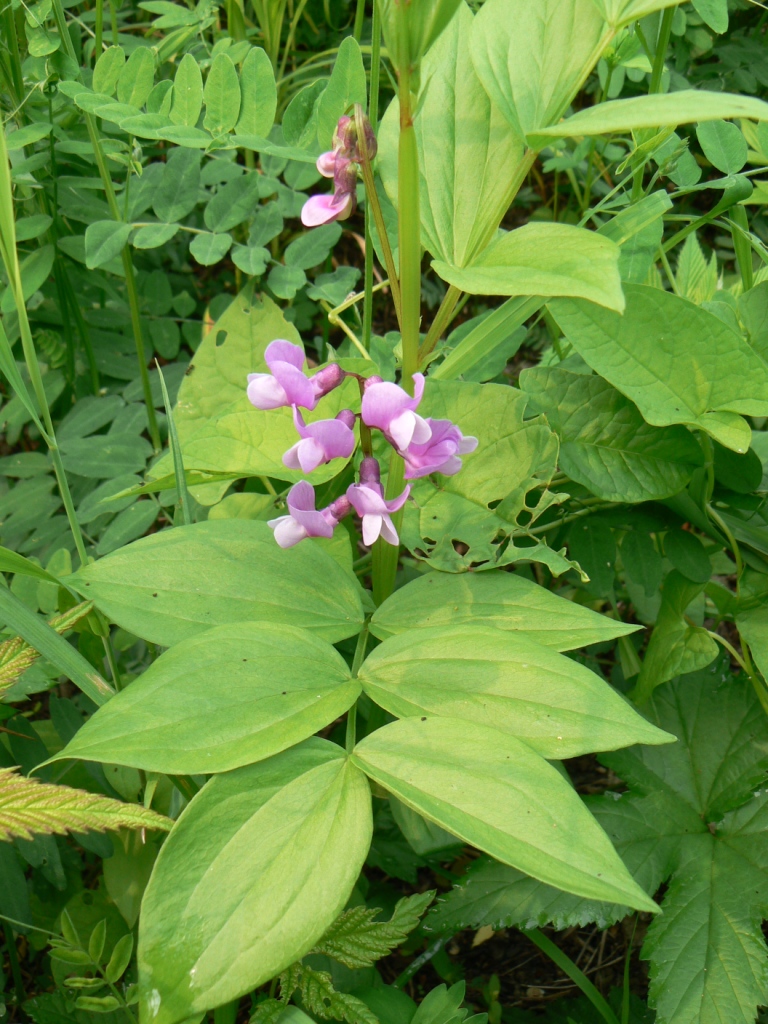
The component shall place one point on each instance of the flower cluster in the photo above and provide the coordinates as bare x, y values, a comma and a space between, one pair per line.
341, 165
426, 445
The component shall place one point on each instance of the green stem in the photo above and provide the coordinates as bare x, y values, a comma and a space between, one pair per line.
113, 18
373, 117
13, 957
408, 225
568, 967
357, 31
357, 661
746, 666
130, 283
372, 202
657, 73
98, 45
441, 321
742, 248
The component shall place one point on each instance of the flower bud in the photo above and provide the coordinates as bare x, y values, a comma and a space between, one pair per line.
370, 472
340, 508
327, 379
347, 417
373, 379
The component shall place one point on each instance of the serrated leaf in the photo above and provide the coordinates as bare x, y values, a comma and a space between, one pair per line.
16, 655
355, 939
320, 997
28, 806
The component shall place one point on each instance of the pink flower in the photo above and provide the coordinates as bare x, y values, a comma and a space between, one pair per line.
321, 441
288, 384
367, 499
393, 411
339, 206
440, 454
303, 520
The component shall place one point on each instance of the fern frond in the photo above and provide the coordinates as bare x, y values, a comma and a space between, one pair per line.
356, 940
28, 806
267, 1012
319, 997
16, 655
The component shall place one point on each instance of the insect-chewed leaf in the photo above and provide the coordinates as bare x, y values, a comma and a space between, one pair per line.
356, 940
320, 997
28, 806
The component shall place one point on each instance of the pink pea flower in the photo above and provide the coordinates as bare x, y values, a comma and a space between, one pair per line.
303, 520
440, 454
340, 205
391, 409
288, 384
367, 499
321, 441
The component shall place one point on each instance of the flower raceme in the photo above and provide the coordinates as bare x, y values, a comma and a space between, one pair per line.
340, 164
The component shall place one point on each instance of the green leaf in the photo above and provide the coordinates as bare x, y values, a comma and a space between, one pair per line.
29, 807
120, 959
27, 136
312, 247
533, 58
107, 70
676, 646
286, 281
620, 12
177, 193
101, 457
346, 86
513, 457
219, 429
714, 13
686, 552
654, 111
723, 144
356, 940
258, 94
467, 152
544, 259
641, 560
320, 996
300, 118
34, 270
171, 15
44, 639
592, 544
222, 96
502, 679
251, 259
154, 587
500, 896
104, 240
427, 20
696, 817
258, 866
695, 278
233, 695
209, 248
187, 99
605, 444
35, 225
154, 235
234, 203
485, 337
498, 599
676, 362
137, 77
495, 792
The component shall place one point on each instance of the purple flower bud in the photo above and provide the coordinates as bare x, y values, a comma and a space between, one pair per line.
368, 501
392, 410
320, 442
347, 416
370, 473
440, 454
340, 508
327, 379
302, 520
370, 381
287, 384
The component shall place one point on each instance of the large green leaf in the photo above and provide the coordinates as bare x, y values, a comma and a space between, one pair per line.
168, 586
219, 429
605, 444
544, 259
533, 56
513, 457
256, 869
696, 816
677, 362
233, 695
494, 598
653, 111
505, 680
495, 792
620, 12
467, 151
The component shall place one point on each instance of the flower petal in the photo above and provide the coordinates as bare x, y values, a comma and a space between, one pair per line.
310, 454
265, 392
287, 531
388, 531
372, 525
284, 352
296, 386
326, 164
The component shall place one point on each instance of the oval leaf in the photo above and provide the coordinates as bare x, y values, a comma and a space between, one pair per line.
256, 869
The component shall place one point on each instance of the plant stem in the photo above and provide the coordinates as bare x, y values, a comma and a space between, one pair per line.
359, 657
742, 248
373, 117
13, 957
657, 73
441, 321
568, 967
130, 282
372, 201
98, 45
357, 31
408, 227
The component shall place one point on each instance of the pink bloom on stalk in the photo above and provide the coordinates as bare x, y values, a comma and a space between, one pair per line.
321, 441
324, 209
367, 499
303, 520
440, 454
391, 409
326, 164
288, 384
